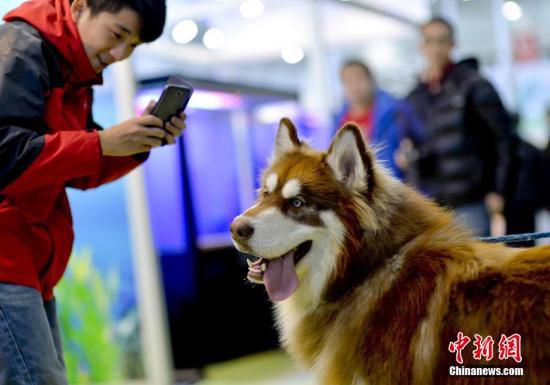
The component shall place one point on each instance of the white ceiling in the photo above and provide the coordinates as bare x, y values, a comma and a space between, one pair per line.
382, 31
284, 23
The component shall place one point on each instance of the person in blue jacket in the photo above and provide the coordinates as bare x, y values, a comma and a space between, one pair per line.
376, 112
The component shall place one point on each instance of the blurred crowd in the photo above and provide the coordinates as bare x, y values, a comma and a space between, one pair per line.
452, 138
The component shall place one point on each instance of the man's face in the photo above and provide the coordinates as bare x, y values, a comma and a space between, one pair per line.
437, 44
107, 37
358, 88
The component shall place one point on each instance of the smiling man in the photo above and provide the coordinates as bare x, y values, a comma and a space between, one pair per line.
51, 53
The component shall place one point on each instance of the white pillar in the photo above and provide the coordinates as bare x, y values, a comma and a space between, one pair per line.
244, 158
315, 93
155, 345
504, 58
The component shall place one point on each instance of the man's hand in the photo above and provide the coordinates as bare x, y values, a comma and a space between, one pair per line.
494, 203
174, 128
495, 206
140, 134
403, 154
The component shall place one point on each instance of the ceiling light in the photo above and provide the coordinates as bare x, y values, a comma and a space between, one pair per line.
213, 39
292, 55
252, 9
185, 31
512, 10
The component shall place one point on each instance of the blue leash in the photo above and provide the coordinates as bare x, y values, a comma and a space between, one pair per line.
515, 238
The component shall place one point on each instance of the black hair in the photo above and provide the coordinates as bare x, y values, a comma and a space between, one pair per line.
152, 14
440, 20
358, 63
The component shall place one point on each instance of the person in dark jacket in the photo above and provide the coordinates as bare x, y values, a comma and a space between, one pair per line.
374, 110
546, 164
51, 53
527, 196
464, 161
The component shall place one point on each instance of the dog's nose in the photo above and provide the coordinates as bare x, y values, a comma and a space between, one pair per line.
241, 228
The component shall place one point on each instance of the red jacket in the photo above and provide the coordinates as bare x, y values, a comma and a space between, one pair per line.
48, 141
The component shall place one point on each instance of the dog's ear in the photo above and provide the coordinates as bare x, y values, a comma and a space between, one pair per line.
350, 159
287, 138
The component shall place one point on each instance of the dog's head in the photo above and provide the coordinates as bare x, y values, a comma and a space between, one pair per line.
298, 224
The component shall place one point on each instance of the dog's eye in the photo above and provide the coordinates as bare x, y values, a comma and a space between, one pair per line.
296, 203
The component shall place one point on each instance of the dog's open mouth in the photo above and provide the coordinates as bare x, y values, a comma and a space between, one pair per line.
278, 274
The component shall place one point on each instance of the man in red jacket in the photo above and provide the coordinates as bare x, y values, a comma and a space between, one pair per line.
51, 53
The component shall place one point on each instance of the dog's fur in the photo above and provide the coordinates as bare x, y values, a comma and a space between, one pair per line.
390, 278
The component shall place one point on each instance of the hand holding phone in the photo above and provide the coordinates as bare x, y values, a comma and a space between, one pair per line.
174, 100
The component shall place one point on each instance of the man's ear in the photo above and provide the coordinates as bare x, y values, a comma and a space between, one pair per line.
351, 160
77, 8
286, 139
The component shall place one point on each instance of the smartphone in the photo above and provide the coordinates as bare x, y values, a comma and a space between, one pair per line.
174, 99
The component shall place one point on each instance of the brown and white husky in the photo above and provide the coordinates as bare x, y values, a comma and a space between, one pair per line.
373, 283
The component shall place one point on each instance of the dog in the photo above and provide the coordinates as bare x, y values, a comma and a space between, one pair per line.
373, 283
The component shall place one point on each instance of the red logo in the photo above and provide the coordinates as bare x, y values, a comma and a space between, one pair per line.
458, 346
508, 347
484, 347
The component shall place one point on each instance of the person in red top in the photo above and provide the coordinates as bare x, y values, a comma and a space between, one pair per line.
359, 91
377, 113
51, 53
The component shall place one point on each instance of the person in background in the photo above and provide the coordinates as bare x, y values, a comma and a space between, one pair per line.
51, 53
546, 164
465, 158
527, 197
375, 111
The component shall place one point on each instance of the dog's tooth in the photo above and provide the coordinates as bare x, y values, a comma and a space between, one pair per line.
250, 263
264, 267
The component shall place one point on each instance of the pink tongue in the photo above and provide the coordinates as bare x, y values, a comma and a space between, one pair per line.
281, 279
